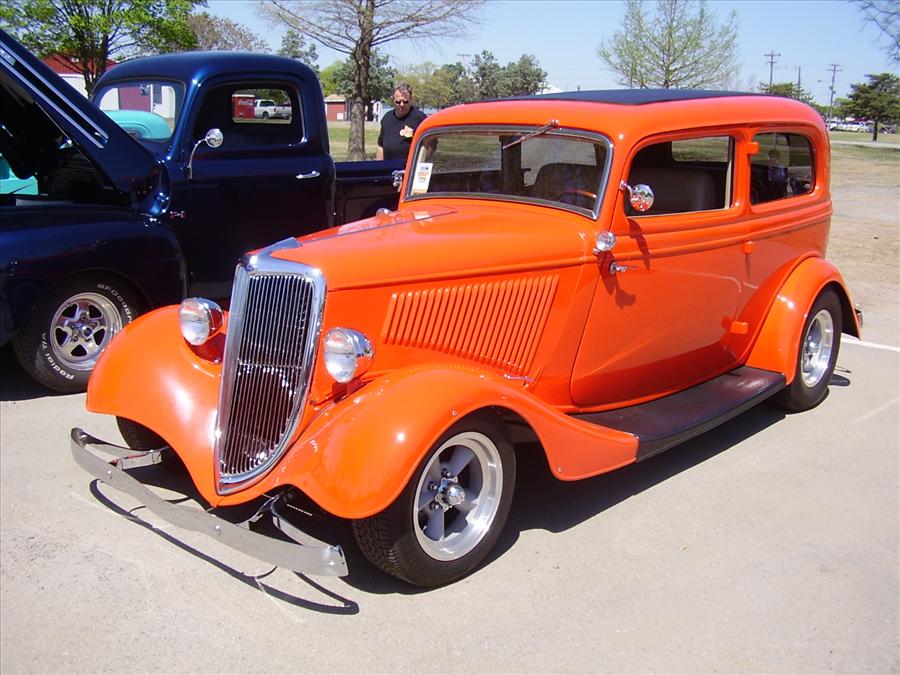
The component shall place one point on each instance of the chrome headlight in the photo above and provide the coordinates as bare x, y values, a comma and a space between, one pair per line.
348, 354
199, 319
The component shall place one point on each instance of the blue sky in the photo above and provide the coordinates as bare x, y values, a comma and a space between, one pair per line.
564, 34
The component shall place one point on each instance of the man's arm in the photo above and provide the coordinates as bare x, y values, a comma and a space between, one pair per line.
379, 152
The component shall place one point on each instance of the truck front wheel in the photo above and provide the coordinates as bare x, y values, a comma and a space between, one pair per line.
63, 337
451, 513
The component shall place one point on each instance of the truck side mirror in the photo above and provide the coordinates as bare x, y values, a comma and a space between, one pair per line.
214, 138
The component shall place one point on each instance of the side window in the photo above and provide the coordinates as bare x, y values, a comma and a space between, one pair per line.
687, 175
252, 116
782, 168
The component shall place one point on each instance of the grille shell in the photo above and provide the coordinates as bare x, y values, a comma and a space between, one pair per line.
270, 349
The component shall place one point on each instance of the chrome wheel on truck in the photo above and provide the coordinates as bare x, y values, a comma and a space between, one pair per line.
65, 334
452, 511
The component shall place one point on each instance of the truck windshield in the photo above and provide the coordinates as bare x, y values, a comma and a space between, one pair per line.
565, 169
146, 109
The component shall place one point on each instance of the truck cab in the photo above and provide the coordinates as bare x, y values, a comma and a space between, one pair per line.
152, 190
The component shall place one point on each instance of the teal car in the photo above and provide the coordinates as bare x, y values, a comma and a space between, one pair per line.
144, 126
10, 184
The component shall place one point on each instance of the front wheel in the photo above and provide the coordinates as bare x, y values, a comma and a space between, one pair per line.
817, 355
65, 334
450, 514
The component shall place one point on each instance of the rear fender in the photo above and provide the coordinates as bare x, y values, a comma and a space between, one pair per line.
357, 456
779, 339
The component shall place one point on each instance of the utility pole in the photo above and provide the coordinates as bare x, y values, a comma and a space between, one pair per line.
771, 62
835, 68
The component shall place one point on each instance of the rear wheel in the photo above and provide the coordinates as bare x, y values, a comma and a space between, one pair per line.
450, 515
817, 355
65, 334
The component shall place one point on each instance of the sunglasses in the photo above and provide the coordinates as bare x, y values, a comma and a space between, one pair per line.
401, 102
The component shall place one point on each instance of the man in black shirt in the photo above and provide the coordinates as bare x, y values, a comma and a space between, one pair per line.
399, 125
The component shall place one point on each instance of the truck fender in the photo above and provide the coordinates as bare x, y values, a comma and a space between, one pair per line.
356, 457
777, 346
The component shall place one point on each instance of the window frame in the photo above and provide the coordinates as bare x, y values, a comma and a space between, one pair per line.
523, 129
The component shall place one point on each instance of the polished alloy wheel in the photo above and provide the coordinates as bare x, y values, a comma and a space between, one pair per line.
457, 496
81, 327
817, 346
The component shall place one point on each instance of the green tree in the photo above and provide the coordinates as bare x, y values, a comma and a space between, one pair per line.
487, 76
679, 44
877, 100
787, 89
218, 33
358, 27
380, 85
293, 46
523, 77
94, 31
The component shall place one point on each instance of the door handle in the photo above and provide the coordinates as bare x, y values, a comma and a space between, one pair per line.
311, 174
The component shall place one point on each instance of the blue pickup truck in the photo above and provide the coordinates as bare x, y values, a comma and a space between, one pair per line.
152, 190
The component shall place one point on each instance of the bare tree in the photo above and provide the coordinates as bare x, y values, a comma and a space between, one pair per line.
885, 16
218, 33
679, 45
357, 27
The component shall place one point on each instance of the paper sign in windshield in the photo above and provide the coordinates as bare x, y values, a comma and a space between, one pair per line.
422, 178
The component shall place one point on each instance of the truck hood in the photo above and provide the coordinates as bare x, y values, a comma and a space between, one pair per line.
435, 241
41, 112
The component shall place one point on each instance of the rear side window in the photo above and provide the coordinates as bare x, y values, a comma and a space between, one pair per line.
686, 175
782, 168
251, 115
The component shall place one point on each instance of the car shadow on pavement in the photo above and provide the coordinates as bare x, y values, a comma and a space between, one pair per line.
543, 502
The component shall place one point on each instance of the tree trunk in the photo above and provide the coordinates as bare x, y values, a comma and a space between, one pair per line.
875, 130
362, 60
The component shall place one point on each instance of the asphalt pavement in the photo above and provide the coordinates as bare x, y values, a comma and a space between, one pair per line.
768, 545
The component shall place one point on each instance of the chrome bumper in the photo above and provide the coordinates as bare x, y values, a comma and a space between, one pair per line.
307, 555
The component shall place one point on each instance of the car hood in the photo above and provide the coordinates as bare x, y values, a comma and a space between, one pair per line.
423, 242
40, 112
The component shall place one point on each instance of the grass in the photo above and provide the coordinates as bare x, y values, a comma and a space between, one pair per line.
887, 139
339, 136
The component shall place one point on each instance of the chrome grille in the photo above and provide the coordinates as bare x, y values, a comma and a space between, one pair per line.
273, 329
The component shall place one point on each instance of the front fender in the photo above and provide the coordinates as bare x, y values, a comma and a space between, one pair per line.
357, 454
356, 457
777, 346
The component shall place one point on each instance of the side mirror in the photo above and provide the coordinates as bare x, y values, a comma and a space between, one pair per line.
640, 196
214, 138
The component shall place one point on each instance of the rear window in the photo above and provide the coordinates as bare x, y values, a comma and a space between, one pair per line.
782, 168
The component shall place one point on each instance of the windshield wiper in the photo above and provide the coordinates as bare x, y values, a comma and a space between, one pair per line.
552, 124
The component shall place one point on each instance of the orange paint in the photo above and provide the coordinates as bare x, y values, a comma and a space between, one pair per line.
473, 301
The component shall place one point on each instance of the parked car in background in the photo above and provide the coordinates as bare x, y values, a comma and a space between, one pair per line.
150, 191
265, 108
606, 274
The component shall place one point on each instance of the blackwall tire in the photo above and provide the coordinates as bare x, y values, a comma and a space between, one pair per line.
451, 513
138, 437
817, 355
61, 340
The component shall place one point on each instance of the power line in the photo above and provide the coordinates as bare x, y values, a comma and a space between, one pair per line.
771, 62
835, 68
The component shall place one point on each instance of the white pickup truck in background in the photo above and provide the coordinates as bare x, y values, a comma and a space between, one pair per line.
265, 108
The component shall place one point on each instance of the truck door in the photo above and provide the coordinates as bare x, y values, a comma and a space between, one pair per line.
271, 178
670, 290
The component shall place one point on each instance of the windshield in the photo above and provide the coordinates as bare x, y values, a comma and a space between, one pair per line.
565, 169
146, 109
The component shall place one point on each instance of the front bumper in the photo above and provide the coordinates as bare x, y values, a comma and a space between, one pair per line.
307, 555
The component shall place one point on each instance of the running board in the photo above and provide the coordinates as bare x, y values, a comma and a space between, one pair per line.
668, 421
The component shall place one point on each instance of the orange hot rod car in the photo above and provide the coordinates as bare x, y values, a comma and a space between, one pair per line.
611, 272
